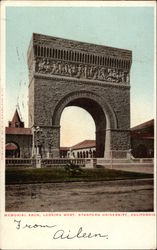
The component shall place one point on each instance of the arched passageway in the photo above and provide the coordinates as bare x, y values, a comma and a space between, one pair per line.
98, 115
94, 109
12, 150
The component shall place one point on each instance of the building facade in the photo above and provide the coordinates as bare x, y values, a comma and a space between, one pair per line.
142, 140
84, 149
18, 139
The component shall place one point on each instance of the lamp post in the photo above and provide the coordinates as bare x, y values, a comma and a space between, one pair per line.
33, 142
35, 147
38, 131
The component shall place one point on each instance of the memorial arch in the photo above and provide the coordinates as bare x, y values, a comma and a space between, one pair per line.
96, 78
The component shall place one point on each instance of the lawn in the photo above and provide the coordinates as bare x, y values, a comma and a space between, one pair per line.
58, 174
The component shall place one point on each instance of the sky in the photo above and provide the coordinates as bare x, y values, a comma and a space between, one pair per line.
122, 27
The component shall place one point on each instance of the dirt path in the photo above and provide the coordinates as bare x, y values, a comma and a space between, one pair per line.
116, 196
136, 168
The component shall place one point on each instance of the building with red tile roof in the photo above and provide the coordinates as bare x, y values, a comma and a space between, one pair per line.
148, 125
84, 144
18, 138
84, 149
142, 140
64, 152
17, 131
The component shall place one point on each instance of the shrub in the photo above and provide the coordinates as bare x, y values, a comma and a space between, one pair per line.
73, 169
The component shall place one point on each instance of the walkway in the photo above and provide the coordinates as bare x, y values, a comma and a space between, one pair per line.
116, 196
139, 168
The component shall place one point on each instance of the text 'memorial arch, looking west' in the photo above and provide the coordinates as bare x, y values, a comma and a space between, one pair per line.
94, 77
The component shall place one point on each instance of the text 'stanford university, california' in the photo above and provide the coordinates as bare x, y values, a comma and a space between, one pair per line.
94, 77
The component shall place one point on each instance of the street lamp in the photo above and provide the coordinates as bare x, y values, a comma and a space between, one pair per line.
33, 142
35, 147
38, 131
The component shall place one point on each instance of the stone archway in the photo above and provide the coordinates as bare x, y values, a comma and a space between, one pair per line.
97, 78
22, 141
101, 112
12, 150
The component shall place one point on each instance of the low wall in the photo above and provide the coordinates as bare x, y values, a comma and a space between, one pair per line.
62, 162
83, 162
20, 162
32, 162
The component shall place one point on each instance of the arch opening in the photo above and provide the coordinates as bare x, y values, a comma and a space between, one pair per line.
77, 132
12, 150
96, 112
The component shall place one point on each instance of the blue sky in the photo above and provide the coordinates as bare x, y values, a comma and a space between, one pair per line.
123, 27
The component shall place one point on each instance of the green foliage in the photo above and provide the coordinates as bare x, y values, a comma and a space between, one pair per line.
73, 170
69, 173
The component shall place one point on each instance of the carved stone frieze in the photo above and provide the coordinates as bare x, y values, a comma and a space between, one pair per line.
82, 71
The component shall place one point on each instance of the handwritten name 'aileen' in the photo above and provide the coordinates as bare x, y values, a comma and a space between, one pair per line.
61, 233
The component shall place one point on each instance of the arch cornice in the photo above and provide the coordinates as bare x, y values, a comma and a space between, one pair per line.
106, 107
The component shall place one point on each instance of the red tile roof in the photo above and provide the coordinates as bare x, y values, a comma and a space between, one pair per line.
138, 135
144, 125
18, 131
64, 148
84, 144
11, 147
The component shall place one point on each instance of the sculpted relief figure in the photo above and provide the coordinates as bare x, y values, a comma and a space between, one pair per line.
95, 77
70, 70
123, 76
59, 68
41, 65
53, 68
90, 72
65, 69
85, 71
44, 66
82, 71
73, 70
109, 75
127, 77
79, 71
114, 75
101, 74
47, 67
